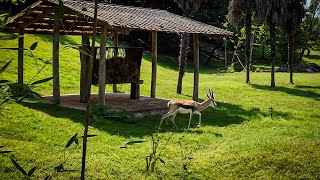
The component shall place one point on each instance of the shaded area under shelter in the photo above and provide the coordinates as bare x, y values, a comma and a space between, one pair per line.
117, 101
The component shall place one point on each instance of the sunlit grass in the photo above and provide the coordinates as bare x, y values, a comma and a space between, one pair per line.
314, 57
238, 139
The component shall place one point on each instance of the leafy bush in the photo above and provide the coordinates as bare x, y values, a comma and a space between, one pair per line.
230, 69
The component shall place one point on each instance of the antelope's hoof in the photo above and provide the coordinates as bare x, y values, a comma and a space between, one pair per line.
199, 125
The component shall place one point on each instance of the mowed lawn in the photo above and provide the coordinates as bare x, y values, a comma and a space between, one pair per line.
238, 139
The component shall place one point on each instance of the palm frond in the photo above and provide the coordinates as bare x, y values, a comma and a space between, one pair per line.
237, 8
287, 13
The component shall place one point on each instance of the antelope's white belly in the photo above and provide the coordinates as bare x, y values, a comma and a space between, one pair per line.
181, 110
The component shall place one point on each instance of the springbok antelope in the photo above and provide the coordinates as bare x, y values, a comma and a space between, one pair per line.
188, 107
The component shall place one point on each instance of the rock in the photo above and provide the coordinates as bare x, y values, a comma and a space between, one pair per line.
309, 70
301, 67
315, 67
283, 68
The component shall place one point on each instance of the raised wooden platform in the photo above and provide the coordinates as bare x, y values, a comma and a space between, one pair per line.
117, 101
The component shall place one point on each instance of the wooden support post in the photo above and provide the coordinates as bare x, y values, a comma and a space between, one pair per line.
154, 64
55, 62
102, 66
84, 58
135, 91
20, 55
196, 66
116, 44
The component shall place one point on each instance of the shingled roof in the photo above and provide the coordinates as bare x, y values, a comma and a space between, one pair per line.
38, 18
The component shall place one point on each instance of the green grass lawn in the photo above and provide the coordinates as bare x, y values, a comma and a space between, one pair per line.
314, 57
238, 139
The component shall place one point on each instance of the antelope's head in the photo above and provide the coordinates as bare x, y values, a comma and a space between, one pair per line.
211, 97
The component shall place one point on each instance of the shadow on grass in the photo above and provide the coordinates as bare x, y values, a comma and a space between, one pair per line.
200, 131
291, 91
309, 87
225, 114
314, 56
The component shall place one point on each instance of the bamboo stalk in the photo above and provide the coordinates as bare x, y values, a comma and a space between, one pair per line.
87, 117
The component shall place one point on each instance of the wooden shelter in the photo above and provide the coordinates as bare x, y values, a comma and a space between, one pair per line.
41, 18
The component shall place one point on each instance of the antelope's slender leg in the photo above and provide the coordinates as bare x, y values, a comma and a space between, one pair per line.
165, 116
173, 117
199, 114
191, 113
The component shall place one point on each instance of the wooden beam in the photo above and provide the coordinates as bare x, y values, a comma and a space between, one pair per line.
196, 66
35, 19
55, 62
20, 55
65, 22
154, 64
102, 66
84, 58
43, 8
62, 32
66, 28
115, 44
22, 13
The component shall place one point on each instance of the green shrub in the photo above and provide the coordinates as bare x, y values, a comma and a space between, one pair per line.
230, 69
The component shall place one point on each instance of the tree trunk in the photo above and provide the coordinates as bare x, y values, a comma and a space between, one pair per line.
273, 51
263, 52
290, 54
184, 48
301, 54
295, 58
196, 51
248, 44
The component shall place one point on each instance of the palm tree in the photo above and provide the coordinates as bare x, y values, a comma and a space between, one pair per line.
187, 6
269, 12
245, 9
293, 12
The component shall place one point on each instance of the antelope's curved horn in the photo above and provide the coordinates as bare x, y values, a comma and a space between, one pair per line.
207, 95
211, 93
